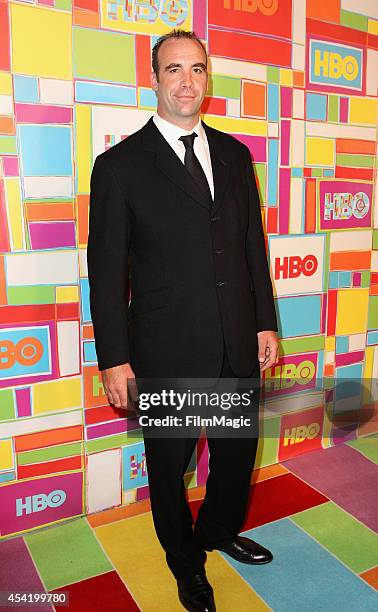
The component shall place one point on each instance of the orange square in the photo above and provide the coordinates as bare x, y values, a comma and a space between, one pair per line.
253, 99
298, 78
325, 11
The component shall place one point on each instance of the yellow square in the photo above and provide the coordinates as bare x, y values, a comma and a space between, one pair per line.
67, 294
373, 26
363, 110
320, 151
6, 455
41, 41
286, 77
330, 343
57, 395
6, 83
352, 311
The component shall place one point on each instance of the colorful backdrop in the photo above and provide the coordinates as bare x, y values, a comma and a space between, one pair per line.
296, 82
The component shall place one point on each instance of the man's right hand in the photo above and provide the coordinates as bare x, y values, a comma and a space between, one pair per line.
115, 381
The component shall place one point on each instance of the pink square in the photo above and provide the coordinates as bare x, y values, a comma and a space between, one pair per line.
10, 165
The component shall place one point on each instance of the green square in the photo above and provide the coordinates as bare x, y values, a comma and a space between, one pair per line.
353, 20
373, 312
367, 446
7, 408
224, 87
375, 239
341, 534
318, 172
260, 170
365, 278
273, 74
333, 108
67, 553
63, 5
104, 56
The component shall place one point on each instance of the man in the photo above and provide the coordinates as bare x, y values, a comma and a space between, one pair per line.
175, 208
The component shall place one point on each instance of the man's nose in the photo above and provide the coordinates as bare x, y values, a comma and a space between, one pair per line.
187, 79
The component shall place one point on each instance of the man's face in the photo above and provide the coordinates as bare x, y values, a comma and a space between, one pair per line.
182, 81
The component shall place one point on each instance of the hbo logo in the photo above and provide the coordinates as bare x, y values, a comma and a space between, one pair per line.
37, 503
294, 266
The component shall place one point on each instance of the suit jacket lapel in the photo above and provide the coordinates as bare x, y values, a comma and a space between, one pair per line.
168, 162
220, 166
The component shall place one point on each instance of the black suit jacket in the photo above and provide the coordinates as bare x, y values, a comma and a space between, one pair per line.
198, 271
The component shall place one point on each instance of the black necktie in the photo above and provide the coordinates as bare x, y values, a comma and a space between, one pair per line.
193, 165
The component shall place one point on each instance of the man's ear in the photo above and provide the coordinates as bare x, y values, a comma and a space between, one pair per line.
154, 81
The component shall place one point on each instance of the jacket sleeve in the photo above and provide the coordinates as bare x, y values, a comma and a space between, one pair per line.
256, 256
108, 271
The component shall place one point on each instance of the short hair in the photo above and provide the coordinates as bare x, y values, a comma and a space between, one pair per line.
174, 34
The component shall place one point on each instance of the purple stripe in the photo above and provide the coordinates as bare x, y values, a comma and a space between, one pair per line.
357, 279
23, 402
344, 107
286, 101
256, 145
42, 113
107, 429
349, 358
345, 476
284, 200
52, 234
200, 18
18, 573
285, 143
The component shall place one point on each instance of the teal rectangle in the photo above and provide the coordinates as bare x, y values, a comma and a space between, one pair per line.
122, 95
272, 171
299, 315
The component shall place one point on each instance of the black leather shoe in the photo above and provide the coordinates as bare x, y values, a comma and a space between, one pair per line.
245, 550
195, 593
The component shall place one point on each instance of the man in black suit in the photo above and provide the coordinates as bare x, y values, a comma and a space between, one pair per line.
175, 209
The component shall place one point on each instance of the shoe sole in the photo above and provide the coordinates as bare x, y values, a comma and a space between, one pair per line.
241, 560
186, 606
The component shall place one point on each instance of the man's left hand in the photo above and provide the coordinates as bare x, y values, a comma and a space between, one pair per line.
268, 349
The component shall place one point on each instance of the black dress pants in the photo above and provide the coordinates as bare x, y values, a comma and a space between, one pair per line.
221, 515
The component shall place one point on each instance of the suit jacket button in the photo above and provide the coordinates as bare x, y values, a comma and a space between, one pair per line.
213, 219
218, 251
221, 283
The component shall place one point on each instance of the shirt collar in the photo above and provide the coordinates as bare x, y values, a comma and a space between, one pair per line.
172, 132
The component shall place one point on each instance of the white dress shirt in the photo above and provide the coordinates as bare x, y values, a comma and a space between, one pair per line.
172, 134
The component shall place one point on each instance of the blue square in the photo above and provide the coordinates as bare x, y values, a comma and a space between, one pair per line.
316, 107
25, 88
134, 468
345, 279
297, 172
46, 150
342, 344
333, 280
299, 315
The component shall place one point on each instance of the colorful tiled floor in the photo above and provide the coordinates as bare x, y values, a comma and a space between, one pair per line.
318, 513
